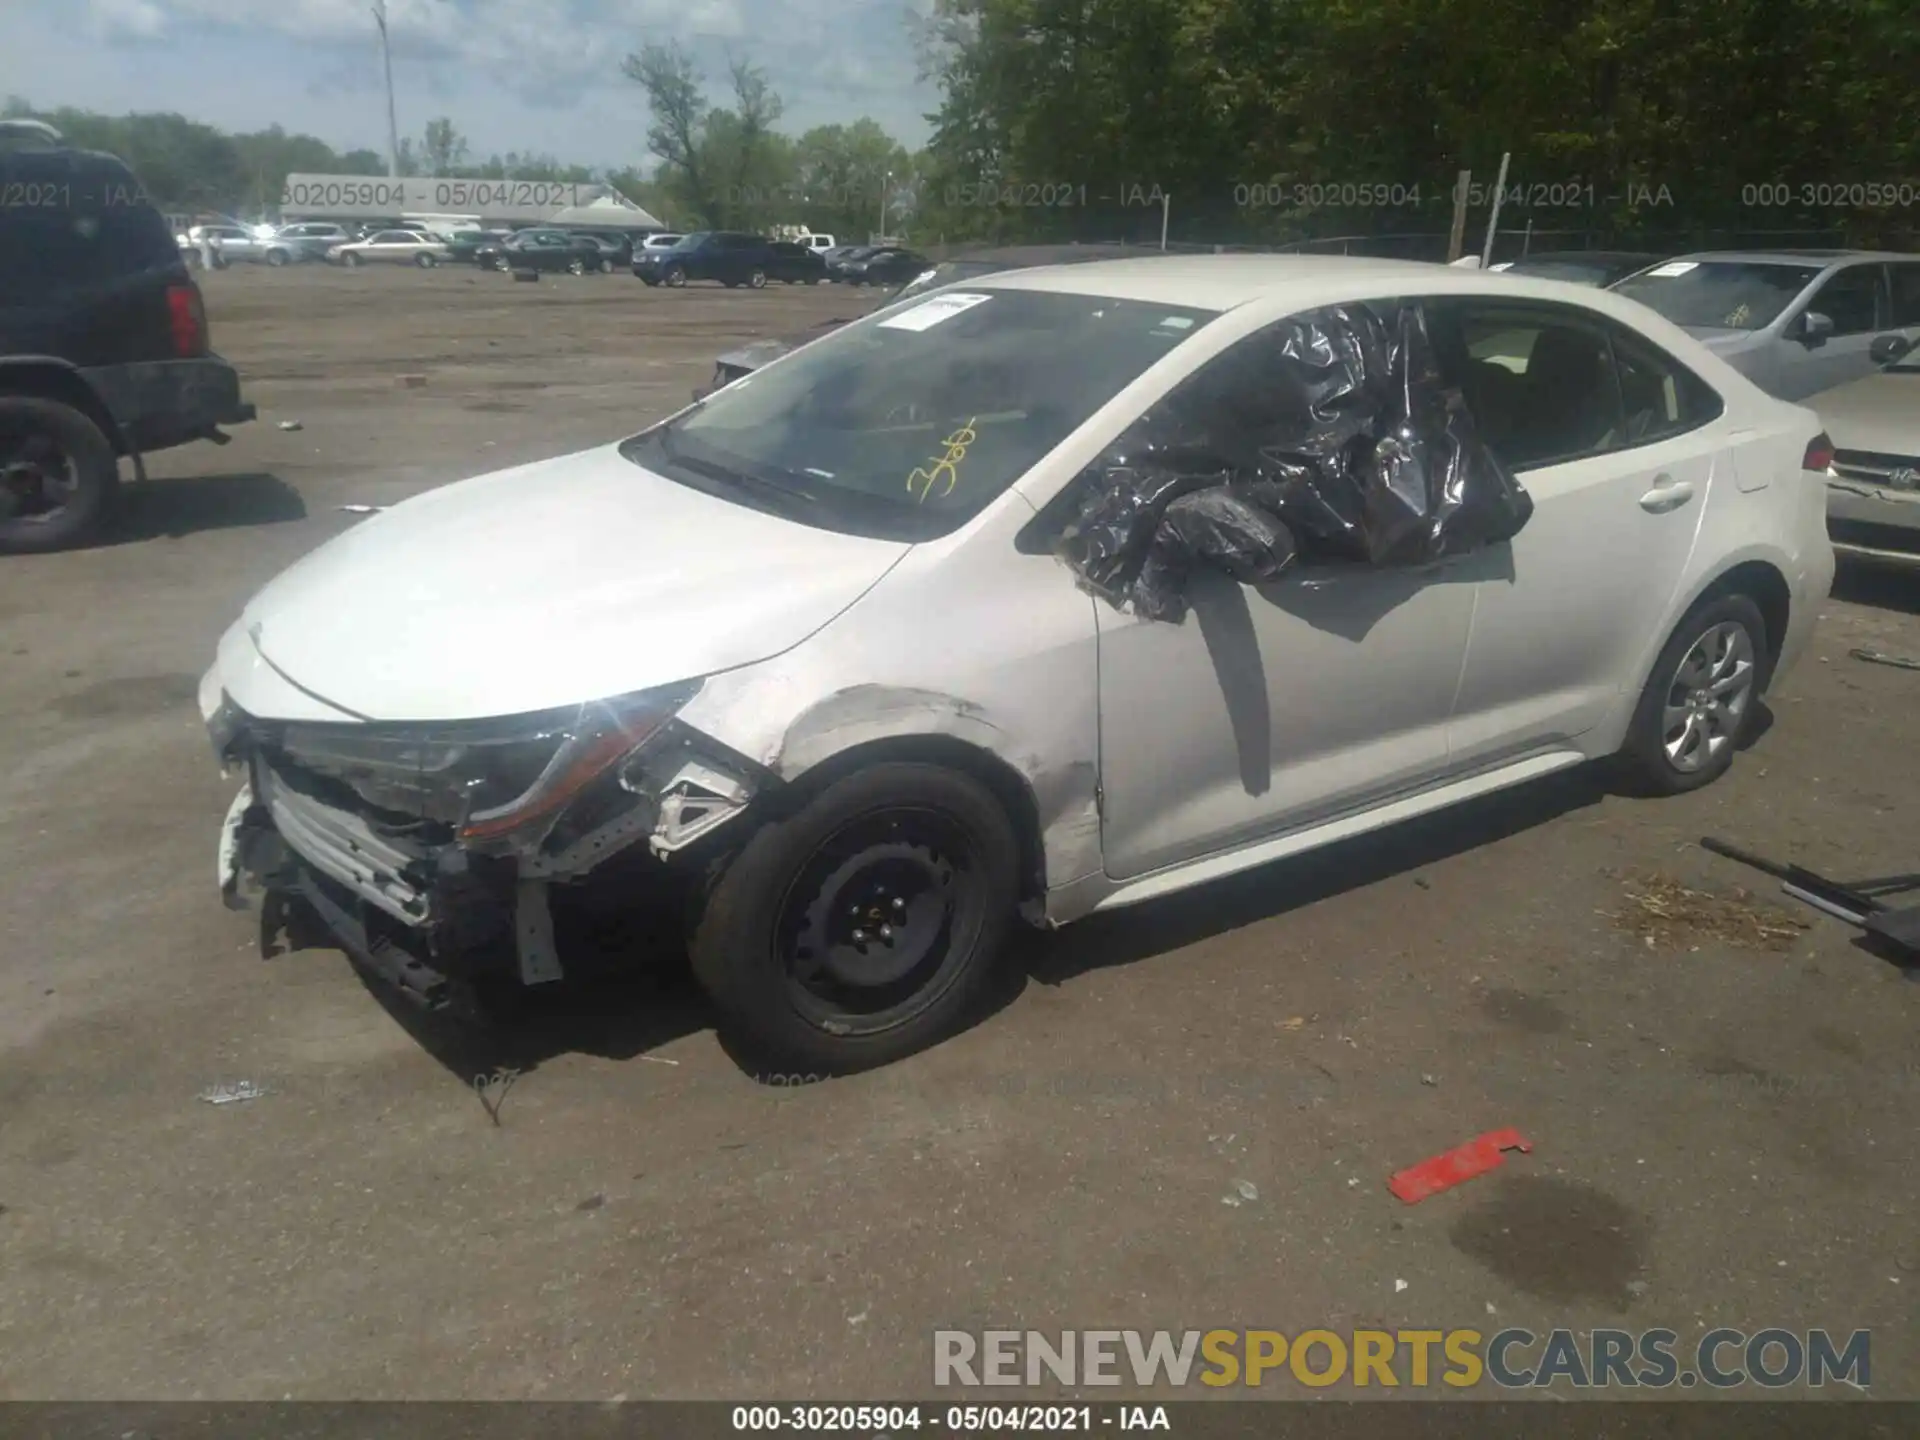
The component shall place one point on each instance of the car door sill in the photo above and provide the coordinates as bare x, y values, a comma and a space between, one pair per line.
1342, 827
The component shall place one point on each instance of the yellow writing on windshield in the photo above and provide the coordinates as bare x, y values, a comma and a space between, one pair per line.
944, 470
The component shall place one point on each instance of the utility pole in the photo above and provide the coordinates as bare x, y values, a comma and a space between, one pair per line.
386, 58
1166, 204
1457, 241
885, 186
1493, 221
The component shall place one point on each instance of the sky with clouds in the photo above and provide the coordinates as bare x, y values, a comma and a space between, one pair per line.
528, 75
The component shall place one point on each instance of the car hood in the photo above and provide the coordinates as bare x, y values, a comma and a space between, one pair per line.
547, 585
1726, 342
1880, 414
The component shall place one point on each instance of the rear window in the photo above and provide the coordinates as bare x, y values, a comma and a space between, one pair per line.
63, 224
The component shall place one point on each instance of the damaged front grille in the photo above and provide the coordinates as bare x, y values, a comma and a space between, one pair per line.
382, 869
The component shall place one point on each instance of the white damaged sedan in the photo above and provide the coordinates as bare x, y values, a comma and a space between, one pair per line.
1067, 590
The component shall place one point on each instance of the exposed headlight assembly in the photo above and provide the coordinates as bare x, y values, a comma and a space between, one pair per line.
498, 783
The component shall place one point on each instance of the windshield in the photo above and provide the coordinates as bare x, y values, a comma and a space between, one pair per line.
1719, 294
910, 422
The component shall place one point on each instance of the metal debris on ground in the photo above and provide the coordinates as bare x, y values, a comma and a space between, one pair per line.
1243, 1191
291, 425
233, 1094
1456, 1166
1668, 915
1880, 657
492, 1091
360, 509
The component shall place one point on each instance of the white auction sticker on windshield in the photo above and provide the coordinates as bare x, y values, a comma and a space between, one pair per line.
1674, 267
929, 313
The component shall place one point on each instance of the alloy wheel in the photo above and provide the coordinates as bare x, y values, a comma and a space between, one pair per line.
1708, 697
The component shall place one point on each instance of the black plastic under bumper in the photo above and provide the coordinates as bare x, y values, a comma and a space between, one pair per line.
162, 403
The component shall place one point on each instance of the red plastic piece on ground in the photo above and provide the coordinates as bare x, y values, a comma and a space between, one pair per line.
1451, 1167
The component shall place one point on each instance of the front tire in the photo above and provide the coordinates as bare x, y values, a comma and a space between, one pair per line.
757, 280
350, 260
862, 927
503, 265
676, 278
576, 267
1702, 697
277, 258
58, 475
425, 262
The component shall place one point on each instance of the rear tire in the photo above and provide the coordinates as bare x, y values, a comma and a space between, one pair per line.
51, 455
277, 258
350, 260
576, 267
1700, 702
757, 280
925, 856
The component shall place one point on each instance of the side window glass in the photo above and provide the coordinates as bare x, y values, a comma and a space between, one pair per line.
1906, 295
1540, 385
1851, 299
1660, 396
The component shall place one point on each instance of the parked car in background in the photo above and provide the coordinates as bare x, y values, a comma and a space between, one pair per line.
731, 257
230, 242
307, 240
1579, 267
819, 244
841, 256
1795, 322
832, 684
543, 251
887, 265
467, 246
968, 265
391, 247
795, 264
615, 250
104, 347
1873, 488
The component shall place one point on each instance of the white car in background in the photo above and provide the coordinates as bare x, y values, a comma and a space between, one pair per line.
1873, 494
1795, 322
832, 658
393, 247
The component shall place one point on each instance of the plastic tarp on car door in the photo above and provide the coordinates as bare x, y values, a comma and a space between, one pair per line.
1343, 442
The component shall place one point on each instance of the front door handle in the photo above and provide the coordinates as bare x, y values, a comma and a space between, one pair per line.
1667, 494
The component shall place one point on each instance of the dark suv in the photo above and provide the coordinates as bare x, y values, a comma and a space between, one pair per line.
103, 339
731, 257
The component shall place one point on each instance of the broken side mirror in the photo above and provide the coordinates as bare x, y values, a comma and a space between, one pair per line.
1888, 348
1813, 329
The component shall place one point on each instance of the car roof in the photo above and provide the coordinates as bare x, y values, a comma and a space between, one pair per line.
1602, 257
1796, 257
1068, 254
1222, 282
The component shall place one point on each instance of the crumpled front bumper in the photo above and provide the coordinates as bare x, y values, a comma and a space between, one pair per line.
423, 912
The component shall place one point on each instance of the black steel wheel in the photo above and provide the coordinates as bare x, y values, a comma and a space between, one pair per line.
862, 927
58, 474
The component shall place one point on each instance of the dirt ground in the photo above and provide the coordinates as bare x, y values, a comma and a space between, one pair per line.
1184, 1118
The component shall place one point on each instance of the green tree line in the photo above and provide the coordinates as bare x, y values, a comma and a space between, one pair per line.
1266, 117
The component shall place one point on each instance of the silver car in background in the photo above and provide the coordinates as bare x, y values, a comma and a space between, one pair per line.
1795, 322
1873, 484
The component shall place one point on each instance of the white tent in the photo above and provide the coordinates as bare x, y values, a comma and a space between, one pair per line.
612, 211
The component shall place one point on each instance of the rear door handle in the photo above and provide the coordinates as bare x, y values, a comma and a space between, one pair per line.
1667, 494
